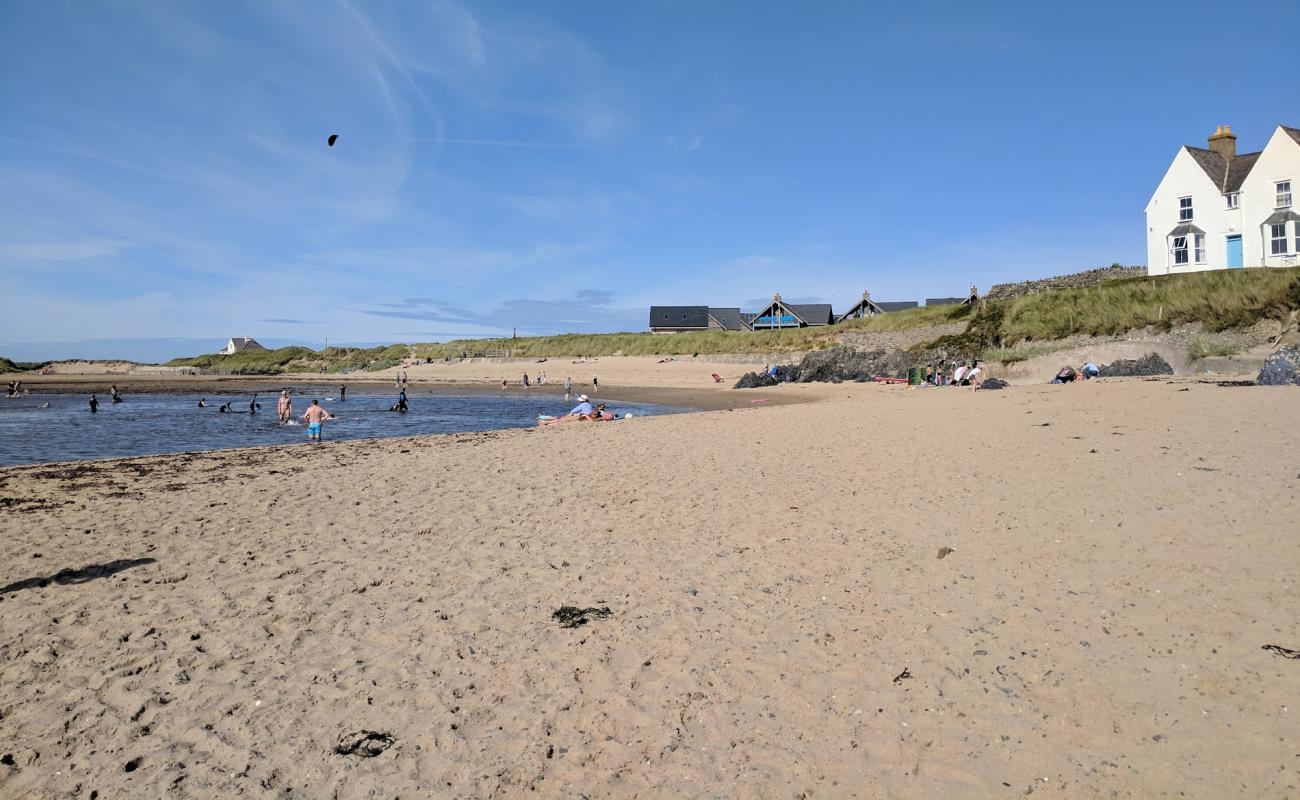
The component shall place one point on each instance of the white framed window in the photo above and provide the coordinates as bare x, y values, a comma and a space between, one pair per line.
1234, 199
1184, 209
1199, 241
1283, 194
1179, 249
1277, 240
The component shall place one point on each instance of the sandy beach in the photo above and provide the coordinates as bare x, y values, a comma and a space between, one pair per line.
374, 619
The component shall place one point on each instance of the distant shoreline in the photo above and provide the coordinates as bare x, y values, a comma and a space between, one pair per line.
711, 399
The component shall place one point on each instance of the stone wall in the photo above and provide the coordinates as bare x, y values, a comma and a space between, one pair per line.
1077, 280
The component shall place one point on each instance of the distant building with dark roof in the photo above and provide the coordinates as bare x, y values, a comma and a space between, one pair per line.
897, 305
779, 314
684, 319
1217, 209
678, 319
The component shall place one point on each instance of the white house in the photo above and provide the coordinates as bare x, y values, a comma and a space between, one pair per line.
1217, 209
239, 344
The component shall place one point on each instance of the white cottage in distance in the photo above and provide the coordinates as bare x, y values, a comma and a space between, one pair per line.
1217, 209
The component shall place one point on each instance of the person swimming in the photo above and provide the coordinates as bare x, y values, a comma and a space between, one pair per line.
203, 402
94, 403
116, 395
253, 405
225, 407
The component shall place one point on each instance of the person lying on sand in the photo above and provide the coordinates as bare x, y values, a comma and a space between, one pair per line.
582, 412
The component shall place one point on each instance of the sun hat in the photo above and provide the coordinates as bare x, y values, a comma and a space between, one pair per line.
582, 398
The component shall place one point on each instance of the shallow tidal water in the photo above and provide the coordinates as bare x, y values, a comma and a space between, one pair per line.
148, 424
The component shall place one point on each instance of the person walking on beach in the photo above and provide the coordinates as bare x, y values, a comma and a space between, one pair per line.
568, 388
284, 407
595, 384
94, 403
315, 415
525, 380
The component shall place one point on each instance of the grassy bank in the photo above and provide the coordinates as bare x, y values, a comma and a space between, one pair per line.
1221, 300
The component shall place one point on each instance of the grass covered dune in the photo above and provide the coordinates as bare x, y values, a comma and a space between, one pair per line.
1221, 300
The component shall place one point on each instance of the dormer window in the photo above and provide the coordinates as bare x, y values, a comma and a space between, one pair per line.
1234, 199
1185, 207
1283, 194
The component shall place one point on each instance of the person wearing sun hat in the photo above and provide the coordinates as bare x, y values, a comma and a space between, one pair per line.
583, 408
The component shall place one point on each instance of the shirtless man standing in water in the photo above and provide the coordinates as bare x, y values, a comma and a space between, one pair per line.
285, 407
315, 415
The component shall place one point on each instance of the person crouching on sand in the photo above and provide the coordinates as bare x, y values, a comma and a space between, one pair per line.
285, 407
315, 415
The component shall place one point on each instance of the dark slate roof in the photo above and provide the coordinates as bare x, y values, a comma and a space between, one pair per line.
679, 316
1294, 133
813, 313
729, 318
896, 305
1227, 175
944, 301
1282, 217
1183, 230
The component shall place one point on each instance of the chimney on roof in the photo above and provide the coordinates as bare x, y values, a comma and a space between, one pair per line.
1223, 142
866, 295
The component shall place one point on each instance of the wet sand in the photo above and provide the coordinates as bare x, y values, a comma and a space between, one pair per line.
231, 623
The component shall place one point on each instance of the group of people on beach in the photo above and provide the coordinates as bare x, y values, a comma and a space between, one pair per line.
542, 380
582, 412
959, 374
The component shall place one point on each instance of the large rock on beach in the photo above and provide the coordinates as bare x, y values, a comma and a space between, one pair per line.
755, 380
1281, 368
1149, 364
841, 364
993, 383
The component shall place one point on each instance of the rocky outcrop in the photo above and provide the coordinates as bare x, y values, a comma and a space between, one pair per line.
1281, 368
841, 364
1149, 364
993, 383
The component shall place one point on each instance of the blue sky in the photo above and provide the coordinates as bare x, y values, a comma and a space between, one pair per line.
560, 166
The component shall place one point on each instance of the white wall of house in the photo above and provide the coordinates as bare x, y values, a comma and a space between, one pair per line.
1280, 161
1185, 178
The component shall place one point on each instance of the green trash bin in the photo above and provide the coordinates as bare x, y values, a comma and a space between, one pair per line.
915, 376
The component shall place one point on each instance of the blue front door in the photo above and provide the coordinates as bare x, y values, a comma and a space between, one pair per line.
1234, 251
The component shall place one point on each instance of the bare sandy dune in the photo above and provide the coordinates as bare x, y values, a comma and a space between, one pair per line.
221, 625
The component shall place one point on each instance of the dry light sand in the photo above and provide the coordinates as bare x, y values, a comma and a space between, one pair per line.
781, 626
